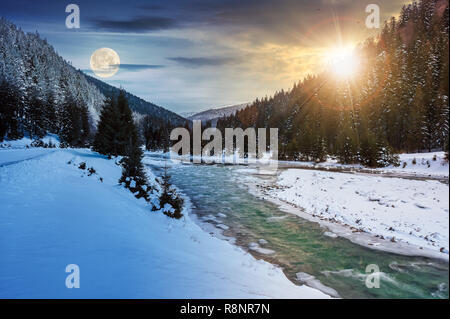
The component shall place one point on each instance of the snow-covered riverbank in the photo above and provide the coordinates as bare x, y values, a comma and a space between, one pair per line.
53, 214
420, 165
387, 212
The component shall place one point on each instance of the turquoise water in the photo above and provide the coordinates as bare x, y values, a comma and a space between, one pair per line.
300, 245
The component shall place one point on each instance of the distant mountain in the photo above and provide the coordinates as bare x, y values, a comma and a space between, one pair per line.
137, 104
215, 113
30, 64
187, 114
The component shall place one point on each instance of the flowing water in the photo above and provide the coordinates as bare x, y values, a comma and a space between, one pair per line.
297, 245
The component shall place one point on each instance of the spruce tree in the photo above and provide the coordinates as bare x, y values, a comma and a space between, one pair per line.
9, 112
105, 141
70, 123
369, 151
133, 174
127, 133
147, 127
347, 149
35, 116
50, 113
169, 196
85, 126
116, 129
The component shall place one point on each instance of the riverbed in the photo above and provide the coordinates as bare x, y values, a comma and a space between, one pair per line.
304, 250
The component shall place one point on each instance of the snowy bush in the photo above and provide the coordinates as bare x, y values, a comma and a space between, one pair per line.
168, 196
376, 153
37, 143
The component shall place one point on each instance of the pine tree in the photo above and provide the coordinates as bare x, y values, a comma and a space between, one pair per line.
147, 127
369, 150
105, 141
50, 113
347, 142
133, 174
132, 168
430, 114
85, 126
127, 133
116, 129
35, 116
169, 200
319, 150
10, 122
70, 123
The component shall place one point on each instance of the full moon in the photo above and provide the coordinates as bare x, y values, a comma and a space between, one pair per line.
105, 62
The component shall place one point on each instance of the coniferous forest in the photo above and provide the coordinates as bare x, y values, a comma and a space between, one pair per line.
42, 93
397, 103
91, 190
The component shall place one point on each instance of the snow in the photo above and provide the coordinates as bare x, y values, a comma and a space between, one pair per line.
398, 209
12, 156
330, 234
426, 164
256, 247
311, 281
222, 226
26, 142
53, 214
432, 164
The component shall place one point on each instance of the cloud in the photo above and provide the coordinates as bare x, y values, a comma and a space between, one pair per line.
137, 24
203, 61
129, 67
151, 7
138, 67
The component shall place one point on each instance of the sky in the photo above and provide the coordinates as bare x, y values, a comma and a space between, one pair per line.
192, 55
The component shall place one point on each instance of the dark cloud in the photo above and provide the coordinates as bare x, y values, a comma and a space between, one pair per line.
203, 61
138, 67
151, 7
137, 24
261, 21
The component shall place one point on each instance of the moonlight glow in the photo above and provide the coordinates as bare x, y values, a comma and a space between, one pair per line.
105, 62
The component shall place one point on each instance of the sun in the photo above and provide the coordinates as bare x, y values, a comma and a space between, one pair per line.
342, 61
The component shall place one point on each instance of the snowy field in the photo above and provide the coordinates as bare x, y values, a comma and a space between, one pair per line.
394, 209
52, 213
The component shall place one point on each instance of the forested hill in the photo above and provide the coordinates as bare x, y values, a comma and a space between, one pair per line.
137, 104
40, 92
398, 101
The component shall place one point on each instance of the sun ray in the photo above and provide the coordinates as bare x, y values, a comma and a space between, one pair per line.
342, 61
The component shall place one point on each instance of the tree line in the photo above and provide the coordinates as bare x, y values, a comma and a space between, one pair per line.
116, 135
398, 102
33, 115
